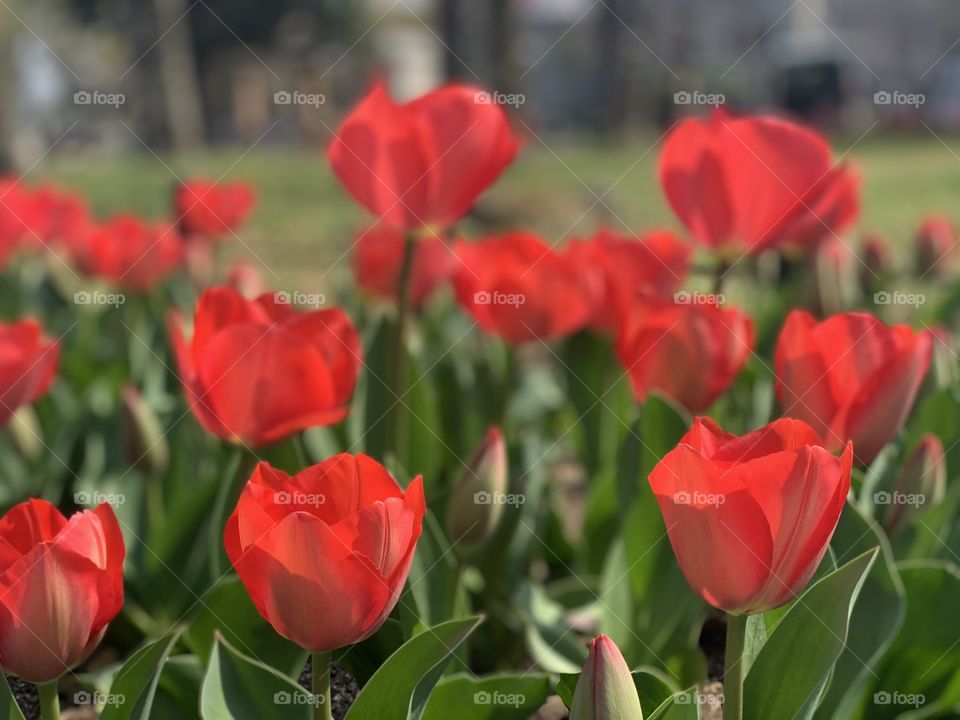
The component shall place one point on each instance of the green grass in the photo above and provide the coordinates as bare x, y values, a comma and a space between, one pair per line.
304, 223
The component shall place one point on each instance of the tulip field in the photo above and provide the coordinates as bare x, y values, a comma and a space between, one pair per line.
697, 468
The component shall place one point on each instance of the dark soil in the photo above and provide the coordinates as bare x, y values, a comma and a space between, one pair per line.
343, 688
26, 696
713, 642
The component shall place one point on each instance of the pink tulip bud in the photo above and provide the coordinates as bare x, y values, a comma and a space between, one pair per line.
477, 502
605, 690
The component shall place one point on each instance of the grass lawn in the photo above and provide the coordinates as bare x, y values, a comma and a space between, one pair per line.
304, 223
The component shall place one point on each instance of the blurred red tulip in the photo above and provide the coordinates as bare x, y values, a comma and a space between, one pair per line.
851, 377
519, 288
57, 217
378, 258
876, 261
246, 279
28, 363
325, 554
424, 162
750, 517
690, 349
619, 269
934, 246
257, 371
61, 582
210, 209
748, 184
129, 252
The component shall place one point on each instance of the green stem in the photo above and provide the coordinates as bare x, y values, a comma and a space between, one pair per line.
49, 700
399, 351
733, 667
720, 273
320, 682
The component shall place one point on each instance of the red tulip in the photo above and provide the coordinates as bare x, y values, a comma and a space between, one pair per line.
750, 517
209, 209
934, 246
424, 162
851, 377
748, 184
129, 252
257, 371
688, 350
28, 363
57, 217
61, 582
619, 269
378, 258
245, 278
876, 260
519, 288
325, 554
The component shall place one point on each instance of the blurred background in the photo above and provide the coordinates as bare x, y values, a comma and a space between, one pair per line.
119, 99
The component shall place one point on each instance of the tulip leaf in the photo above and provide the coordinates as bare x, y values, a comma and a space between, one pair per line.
9, 710
654, 687
228, 609
400, 689
135, 684
239, 687
800, 653
493, 697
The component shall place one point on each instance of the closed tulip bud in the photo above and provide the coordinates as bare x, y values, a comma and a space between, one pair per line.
934, 245
605, 690
922, 482
146, 438
835, 275
475, 507
876, 261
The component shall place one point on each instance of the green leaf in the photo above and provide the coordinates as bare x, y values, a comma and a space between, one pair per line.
399, 690
799, 655
681, 706
136, 681
241, 688
9, 710
494, 697
654, 687
433, 573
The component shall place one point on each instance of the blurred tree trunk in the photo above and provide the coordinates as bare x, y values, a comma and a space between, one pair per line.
451, 31
611, 71
8, 92
183, 98
502, 60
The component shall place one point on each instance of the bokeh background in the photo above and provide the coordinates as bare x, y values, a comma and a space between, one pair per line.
120, 99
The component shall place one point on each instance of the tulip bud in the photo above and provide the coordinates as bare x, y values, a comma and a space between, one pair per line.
475, 508
246, 279
934, 244
922, 481
605, 690
876, 261
145, 437
835, 276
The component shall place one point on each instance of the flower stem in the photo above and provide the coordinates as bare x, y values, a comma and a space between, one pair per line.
733, 667
399, 351
49, 700
320, 681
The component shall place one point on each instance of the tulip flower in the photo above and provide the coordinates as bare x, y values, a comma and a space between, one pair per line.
61, 583
620, 269
256, 371
246, 279
605, 690
516, 286
476, 504
129, 252
324, 554
835, 275
876, 260
743, 185
922, 482
28, 363
934, 246
850, 377
423, 162
689, 349
378, 258
209, 210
